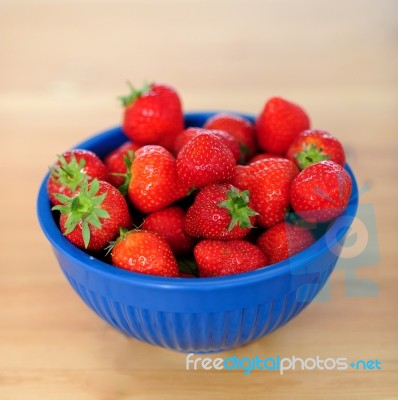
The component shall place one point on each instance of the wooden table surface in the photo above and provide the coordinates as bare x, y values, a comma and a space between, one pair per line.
63, 63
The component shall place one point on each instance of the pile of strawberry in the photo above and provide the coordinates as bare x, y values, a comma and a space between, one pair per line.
184, 202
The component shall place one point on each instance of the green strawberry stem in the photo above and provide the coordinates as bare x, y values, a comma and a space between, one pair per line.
310, 155
244, 151
188, 266
134, 93
243, 148
122, 234
237, 203
84, 208
128, 161
69, 174
66, 172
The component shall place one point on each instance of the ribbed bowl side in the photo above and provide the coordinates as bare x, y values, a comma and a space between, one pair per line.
199, 332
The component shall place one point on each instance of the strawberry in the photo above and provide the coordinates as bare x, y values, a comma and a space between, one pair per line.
268, 182
205, 160
93, 215
261, 156
321, 191
240, 128
186, 136
118, 163
220, 211
220, 258
278, 124
71, 170
242, 177
312, 146
154, 184
284, 240
169, 224
153, 115
143, 252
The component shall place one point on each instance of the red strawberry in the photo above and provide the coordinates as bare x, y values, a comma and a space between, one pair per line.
169, 224
71, 170
245, 173
242, 177
321, 192
268, 182
220, 211
312, 146
117, 163
261, 156
93, 215
186, 136
153, 115
284, 240
278, 124
144, 252
240, 128
154, 184
205, 160
220, 258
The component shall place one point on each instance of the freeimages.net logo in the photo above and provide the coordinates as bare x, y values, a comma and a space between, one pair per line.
281, 364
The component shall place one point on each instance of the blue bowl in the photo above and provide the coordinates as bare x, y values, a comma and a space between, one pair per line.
195, 315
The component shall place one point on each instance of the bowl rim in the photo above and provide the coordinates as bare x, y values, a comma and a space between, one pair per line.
335, 234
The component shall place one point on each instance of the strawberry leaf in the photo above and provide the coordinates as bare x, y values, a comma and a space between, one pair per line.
128, 161
94, 220
85, 232
71, 223
62, 209
101, 213
97, 200
69, 174
188, 266
237, 204
94, 187
134, 93
310, 155
122, 233
62, 198
85, 208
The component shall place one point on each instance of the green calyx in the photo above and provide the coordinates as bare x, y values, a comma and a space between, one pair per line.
244, 151
237, 204
188, 266
128, 161
69, 174
84, 208
123, 232
134, 93
310, 155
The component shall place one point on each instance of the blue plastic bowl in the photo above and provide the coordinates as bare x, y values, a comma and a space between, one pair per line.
195, 315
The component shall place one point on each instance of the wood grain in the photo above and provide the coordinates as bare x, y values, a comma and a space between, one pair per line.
63, 64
